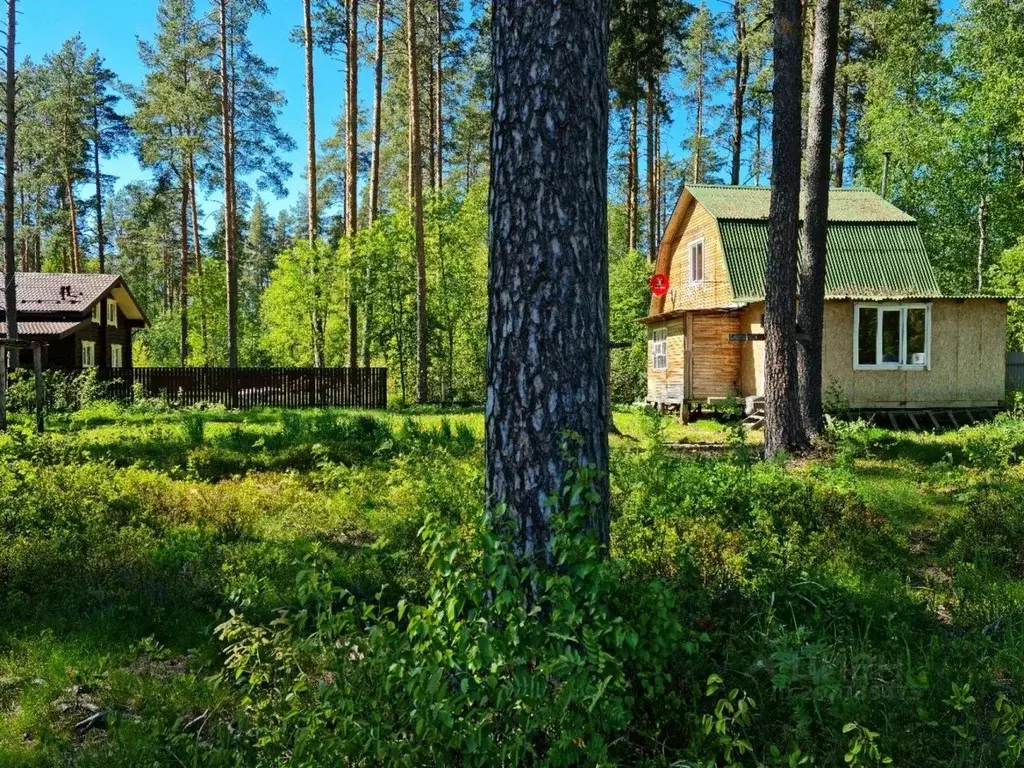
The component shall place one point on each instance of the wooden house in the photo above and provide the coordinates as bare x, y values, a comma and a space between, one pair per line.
892, 339
82, 320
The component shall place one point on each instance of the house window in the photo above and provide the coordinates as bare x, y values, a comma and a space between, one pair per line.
697, 262
88, 354
892, 336
116, 356
112, 312
659, 349
96, 313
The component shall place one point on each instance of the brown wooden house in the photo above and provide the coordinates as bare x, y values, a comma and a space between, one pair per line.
892, 339
82, 320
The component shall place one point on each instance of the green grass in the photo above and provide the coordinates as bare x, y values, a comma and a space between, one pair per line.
856, 586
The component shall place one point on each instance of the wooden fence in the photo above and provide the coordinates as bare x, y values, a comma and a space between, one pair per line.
252, 387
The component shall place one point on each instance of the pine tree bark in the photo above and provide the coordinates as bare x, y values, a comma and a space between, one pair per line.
698, 123
741, 76
439, 98
548, 285
76, 253
10, 127
183, 340
632, 170
783, 426
227, 122
843, 105
352, 167
100, 239
811, 312
416, 202
378, 89
652, 193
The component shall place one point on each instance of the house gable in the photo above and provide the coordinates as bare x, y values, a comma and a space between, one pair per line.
691, 224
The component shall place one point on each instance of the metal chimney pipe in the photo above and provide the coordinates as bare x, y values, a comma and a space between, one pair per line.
885, 174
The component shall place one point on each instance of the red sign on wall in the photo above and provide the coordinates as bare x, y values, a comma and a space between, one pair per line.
659, 284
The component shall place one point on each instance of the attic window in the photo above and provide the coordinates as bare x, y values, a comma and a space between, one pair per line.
112, 312
696, 262
892, 336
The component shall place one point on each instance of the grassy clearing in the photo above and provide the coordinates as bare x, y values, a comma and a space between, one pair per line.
881, 585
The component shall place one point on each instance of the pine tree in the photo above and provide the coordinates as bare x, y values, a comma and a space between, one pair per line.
811, 315
416, 202
10, 130
783, 429
549, 154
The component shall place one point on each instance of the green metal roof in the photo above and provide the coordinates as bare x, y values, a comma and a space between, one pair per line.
866, 260
845, 204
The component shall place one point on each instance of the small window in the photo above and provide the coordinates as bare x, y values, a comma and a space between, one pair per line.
116, 356
894, 336
96, 314
88, 354
697, 262
112, 312
659, 349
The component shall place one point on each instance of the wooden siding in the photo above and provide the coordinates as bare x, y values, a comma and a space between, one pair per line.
674, 260
668, 386
716, 360
702, 362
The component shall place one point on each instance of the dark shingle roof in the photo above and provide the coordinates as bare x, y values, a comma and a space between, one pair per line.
846, 204
52, 329
865, 260
40, 292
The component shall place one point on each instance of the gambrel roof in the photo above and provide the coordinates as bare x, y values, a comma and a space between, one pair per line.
875, 250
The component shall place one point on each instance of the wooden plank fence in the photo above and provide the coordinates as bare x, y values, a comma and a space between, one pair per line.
252, 387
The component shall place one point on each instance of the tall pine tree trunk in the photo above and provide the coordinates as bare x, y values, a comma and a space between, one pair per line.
698, 122
416, 201
632, 171
783, 427
316, 320
10, 125
227, 121
76, 253
652, 192
100, 239
982, 238
439, 98
351, 167
739, 89
378, 88
811, 314
548, 285
183, 341
843, 105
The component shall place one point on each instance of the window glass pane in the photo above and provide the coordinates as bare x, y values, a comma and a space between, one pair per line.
891, 336
866, 335
915, 336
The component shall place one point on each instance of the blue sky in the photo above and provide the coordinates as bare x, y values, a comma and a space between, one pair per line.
113, 26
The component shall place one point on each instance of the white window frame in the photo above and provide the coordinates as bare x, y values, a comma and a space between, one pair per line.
694, 280
117, 356
96, 313
112, 313
902, 308
659, 349
90, 348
